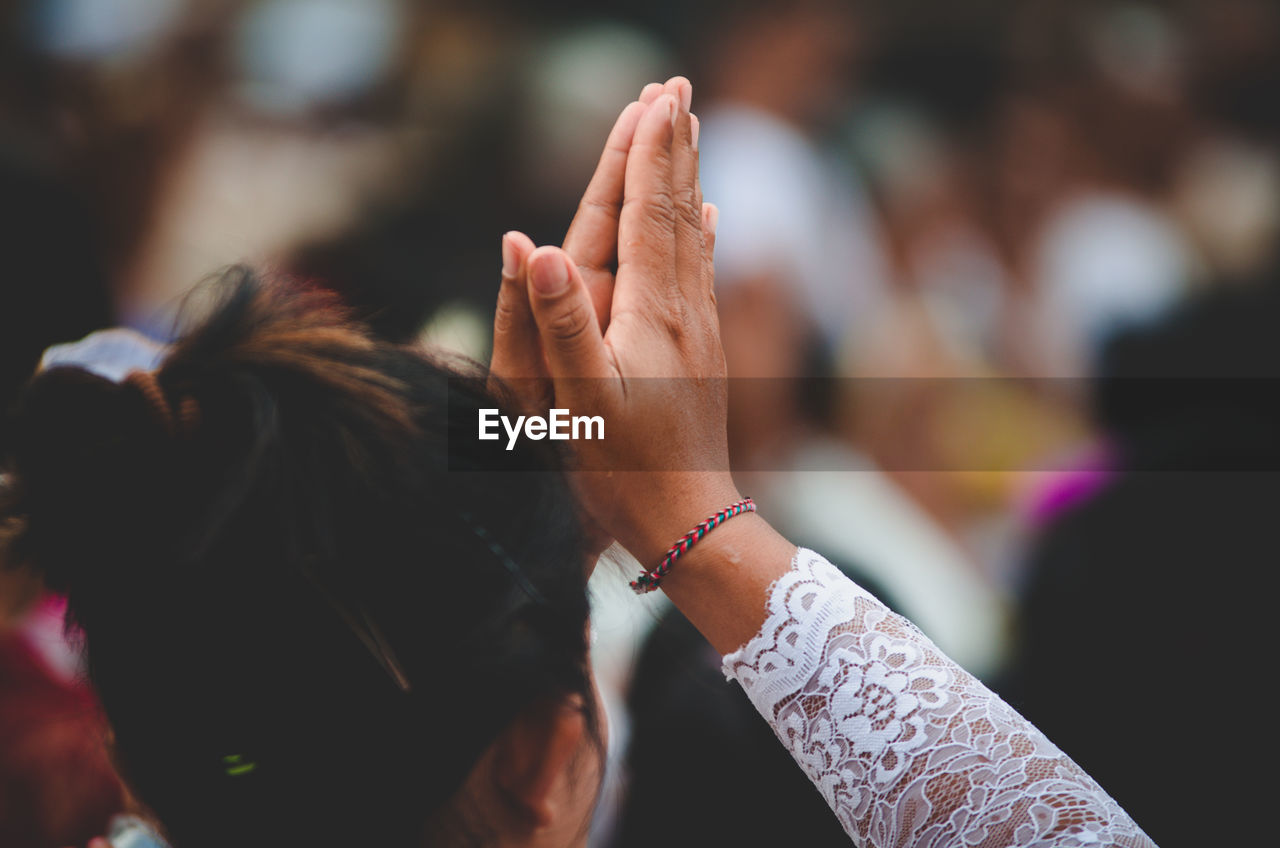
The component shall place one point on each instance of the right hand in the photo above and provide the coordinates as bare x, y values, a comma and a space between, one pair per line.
656, 372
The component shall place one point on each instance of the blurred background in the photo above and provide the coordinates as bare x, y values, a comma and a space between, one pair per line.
951, 236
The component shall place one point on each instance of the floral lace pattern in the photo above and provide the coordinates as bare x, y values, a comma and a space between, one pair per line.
907, 748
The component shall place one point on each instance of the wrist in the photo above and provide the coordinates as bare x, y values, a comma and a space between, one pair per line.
678, 507
723, 583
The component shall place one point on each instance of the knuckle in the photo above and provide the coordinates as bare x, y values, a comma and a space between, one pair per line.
655, 152
686, 197
691, 249
597, 206
673, 321
689, 210
505, 319
657, 206
569, 325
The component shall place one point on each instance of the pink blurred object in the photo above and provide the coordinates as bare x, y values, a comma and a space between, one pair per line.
44, 632
56, 779
1057, 492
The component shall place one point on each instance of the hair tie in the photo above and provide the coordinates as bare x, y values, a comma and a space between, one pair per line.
237, 765
188, 417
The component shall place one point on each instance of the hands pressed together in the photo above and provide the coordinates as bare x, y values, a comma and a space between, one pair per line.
639, 346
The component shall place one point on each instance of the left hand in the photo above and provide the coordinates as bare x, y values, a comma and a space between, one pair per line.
592, 242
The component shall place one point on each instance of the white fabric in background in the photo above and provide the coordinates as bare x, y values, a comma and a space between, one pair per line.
1106, 262
791, 211
863, 519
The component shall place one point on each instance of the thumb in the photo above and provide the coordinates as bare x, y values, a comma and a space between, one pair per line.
566, 319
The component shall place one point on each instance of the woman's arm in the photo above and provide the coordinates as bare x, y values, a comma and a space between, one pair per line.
641, 348
907, 748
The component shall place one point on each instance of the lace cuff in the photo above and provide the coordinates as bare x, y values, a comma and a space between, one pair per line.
907, 748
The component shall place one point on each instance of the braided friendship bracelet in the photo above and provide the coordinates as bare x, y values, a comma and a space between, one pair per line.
650, 580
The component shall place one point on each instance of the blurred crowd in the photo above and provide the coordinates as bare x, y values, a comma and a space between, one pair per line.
949, 232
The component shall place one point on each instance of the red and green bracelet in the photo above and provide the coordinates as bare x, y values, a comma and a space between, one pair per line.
650, 580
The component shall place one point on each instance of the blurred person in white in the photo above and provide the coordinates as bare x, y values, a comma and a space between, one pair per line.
796, 217
1108, 253
1039, 223
1228, 188
803, 271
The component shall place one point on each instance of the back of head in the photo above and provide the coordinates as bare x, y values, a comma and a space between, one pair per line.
305, 616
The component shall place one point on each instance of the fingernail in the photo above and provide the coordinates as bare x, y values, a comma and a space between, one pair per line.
550, 275
675, 112
686, 95
712, 215
509, 264
694, 126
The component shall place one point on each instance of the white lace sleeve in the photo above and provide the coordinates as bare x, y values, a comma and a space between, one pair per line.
907, 747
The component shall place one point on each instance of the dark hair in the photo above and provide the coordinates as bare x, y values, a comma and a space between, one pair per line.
306, 616
54, 287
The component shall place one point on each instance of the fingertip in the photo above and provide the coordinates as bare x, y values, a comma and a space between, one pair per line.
628, 119
710, 218
682, 90
666, 107
650, 92
686, 93
509, 261
660, 118
538, 255
522, 242
549, 271
515, 245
